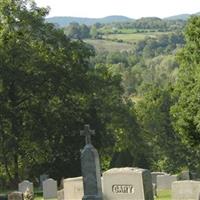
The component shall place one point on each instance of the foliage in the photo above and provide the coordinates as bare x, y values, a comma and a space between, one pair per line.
48, 91
186, 108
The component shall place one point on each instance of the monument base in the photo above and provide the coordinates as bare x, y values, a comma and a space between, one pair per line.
92, 197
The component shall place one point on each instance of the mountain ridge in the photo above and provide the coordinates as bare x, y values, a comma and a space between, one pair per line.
66, 20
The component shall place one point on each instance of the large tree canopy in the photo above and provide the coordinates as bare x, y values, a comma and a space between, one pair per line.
186, 111
48, 90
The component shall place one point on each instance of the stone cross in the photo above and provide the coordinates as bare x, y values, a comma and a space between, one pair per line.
87, 133
90, 168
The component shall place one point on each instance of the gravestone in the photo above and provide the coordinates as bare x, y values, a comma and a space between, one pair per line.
60, 194
49, 189
184, 175
154, 176
43, 177
15, 196
90, 168
25, 185
164, 182
186, 190
127, 184
73, 188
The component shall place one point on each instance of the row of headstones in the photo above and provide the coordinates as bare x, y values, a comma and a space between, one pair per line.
182, 188
162, 180
25, 190
118, 183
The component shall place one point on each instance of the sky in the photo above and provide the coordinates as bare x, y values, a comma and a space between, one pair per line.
130, 8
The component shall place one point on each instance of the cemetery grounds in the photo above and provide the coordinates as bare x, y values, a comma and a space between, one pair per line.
162, 195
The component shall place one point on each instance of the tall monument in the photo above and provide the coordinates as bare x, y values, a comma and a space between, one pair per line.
90, 168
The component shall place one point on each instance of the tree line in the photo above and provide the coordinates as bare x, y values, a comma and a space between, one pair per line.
96, 31
144, 104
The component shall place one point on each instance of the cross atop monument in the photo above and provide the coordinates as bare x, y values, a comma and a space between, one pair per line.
87, 133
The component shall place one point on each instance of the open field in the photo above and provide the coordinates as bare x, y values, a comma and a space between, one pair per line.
120, 42
133, 37
105, 45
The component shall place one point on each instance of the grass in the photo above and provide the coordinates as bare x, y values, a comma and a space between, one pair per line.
120, 42
110, 46
132, 37
164, 195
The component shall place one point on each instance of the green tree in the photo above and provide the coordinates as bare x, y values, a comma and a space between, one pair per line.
42, 79
166, 150
186, 111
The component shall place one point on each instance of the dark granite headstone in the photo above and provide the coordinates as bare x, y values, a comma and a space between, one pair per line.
90, 168
15, 196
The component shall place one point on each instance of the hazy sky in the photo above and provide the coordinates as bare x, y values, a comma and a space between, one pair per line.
129, 8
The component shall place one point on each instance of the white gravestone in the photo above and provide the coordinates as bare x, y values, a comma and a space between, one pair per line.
49, 189
164, 182
43, 177
73, 188
127, 183
25, 186
154, 176
186, 190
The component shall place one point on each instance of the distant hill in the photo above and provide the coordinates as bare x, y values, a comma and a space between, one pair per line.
176, 17
64, 21
182, 16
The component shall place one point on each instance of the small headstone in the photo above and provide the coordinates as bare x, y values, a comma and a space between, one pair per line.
193, 175
186, 190
60, 194
154, 189
127, 184
73, 188
49, 189
164, 182
184, 175
15, 196
90, 168
154, 176
25, 185
43, 177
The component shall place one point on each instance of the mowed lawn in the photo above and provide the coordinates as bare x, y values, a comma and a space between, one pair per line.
120, 42
110, 46
133, 37
162, 195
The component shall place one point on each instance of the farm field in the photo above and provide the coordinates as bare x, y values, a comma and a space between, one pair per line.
110, 46
133, 37
120, 42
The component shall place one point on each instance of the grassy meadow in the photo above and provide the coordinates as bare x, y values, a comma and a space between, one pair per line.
120, 42
110, 46
162, 195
